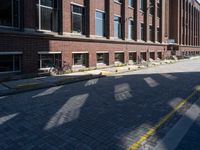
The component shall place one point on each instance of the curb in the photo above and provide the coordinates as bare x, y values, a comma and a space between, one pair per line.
37, 86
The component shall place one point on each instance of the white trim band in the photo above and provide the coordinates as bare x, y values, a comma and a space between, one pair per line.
102, 52
72, 3
44, 52
10, 53
80, 52
119, 51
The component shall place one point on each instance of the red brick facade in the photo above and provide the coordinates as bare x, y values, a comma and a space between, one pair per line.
30, 41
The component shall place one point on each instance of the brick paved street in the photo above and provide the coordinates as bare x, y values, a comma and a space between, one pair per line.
192, 138
108, 113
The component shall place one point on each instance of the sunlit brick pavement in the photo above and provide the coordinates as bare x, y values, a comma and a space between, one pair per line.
109, 113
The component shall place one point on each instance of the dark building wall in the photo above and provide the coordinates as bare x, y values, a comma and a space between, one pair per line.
30, 46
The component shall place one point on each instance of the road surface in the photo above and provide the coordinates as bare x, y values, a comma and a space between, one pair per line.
109, 113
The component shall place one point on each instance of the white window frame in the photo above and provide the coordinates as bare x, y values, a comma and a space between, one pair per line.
130, 37
102, 52
39, 16
119, 23
103, 12
46, 53
120, 52
79, 52
83, 15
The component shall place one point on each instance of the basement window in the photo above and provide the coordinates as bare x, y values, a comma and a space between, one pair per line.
102, 58
47, 61
80, 59
119, 57
10, 63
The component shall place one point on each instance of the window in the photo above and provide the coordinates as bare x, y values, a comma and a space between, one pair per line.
49, 61
143, 56
117, 27
9, 13
142, 5
150, 33
78, 19
130, 28
102, 58
48, 15
119, 57
133, 56
100, 23
158, 9
142, 31
158, 34
10, 63
80, 59
151, 7
159, 55
130, 3
152, 55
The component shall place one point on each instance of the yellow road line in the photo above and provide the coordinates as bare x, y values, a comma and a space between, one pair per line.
164, 119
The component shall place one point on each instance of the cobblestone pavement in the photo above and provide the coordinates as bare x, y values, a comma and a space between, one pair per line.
192, 138
100, 114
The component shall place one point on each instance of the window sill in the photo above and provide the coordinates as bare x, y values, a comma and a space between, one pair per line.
131, 7
7, 72
118, 63
117, 38
46, 32
141, 11
44, 69
117, 2
9, 27
78, 67
74, 34
98, 37
101, 64
130, 40
141, 41
150, 42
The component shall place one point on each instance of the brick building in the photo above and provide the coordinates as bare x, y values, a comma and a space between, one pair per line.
40, 34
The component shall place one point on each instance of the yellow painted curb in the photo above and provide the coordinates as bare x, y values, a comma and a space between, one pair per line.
163, 120
106, 73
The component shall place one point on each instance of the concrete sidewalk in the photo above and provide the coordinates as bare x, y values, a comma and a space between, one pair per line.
17, 86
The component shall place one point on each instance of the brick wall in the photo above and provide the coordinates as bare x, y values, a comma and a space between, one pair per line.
30, 41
